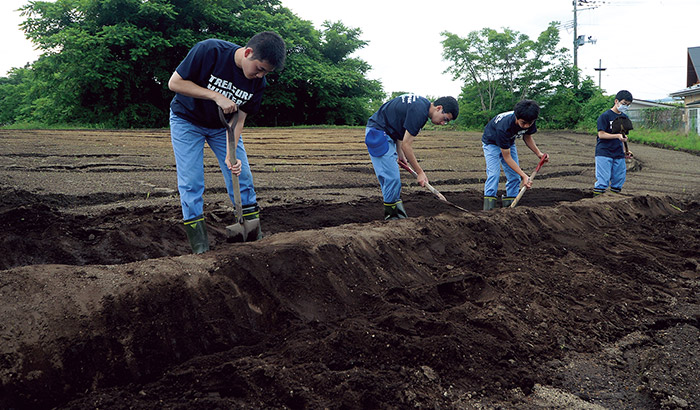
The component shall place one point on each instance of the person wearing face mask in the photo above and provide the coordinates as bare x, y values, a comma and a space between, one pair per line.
610, 165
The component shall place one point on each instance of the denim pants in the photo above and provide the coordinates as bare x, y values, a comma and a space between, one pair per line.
494, 162
610, 172
188, 145
386, 169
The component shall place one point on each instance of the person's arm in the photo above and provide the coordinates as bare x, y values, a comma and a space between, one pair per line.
191, 89
530, 142
607, 136
407, 150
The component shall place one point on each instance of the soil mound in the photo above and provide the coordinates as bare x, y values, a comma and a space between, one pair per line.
44, 229
588, 303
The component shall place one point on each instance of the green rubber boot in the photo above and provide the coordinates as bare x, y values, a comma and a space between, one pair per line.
489, 202
252, 213
196, 231
506, 201
394, 211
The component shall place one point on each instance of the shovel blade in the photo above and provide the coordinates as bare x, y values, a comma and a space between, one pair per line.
235, 233
244, 231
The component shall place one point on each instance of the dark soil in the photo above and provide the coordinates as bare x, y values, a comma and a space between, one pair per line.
566, 301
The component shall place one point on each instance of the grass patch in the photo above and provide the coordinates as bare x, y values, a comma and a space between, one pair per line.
28, 125
666, 139
658, 138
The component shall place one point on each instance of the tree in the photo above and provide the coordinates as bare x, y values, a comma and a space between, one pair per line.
323, 84
109, 61
14, 90
572, 107
501, 68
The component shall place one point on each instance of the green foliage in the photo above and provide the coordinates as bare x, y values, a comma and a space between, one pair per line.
471, 112
13, 90
567, 107
501, 68
666, 119
562, 110
321, 83
591, 110
109, 62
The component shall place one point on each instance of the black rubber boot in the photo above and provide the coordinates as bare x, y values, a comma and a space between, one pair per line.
506, 201
196, 231
250, 213
489, 202
394, 211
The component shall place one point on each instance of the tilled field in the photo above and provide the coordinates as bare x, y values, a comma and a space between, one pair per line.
564, 301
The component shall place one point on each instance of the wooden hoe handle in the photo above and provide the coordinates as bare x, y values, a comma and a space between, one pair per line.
524, 188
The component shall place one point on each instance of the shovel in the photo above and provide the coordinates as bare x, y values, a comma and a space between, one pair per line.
242, 230
435, 192
524, 188
622, 125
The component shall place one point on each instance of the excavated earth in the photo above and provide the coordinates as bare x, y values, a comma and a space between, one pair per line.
566, 301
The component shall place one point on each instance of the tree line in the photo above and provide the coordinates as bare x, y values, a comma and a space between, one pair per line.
108, 62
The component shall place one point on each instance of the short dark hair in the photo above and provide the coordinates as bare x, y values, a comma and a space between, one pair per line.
449, 106
527, 110
623, 95
268, 46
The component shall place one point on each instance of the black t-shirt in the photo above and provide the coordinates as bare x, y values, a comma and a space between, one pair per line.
611, 148
502, 130
210, 64
406, 112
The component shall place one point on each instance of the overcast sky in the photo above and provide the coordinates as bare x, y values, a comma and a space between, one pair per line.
642, 43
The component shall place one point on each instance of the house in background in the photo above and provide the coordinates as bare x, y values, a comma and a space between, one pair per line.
636, 109
691, 94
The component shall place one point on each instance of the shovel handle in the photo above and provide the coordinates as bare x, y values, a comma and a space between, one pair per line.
232, 153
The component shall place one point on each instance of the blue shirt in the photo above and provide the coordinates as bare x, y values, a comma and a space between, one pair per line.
210, 64
611, 148
406, 112
502, 130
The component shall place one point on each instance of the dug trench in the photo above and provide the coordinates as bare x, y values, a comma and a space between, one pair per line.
566, 300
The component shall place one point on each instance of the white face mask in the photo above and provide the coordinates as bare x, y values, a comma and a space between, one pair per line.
623, 108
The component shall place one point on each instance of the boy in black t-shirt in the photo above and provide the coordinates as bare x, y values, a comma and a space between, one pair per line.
498, 143
610, 165
389, 138
217, 74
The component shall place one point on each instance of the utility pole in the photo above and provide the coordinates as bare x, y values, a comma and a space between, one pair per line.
600, 70
575, 40
580, 40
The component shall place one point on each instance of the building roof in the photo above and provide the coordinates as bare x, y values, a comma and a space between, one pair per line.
693, 78
687, 91
637, 103
693, 66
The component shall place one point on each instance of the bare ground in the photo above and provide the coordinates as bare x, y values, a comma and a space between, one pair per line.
566, 301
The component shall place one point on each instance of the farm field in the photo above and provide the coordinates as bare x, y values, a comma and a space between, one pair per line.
566, 301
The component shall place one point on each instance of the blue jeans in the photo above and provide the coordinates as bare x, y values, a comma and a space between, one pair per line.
609, 172
494, 162
188, 145
386, 169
